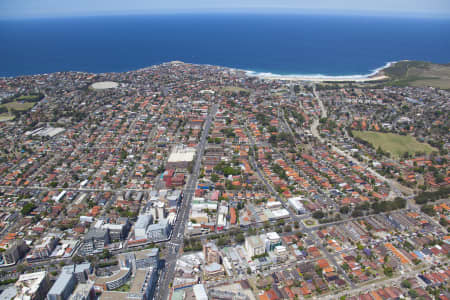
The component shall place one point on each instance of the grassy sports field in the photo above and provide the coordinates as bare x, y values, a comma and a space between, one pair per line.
6, 117
396, 144
18, 105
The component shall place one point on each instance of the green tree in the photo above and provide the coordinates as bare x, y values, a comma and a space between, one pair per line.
20, 268
28, 208
76, 259
344, 210
318, 214
214, 178
240, 238
287, 228
106, 254
346, 267
406, 284
388, 271
428, 209
413, 293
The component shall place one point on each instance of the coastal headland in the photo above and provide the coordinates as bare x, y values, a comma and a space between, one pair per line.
400, 73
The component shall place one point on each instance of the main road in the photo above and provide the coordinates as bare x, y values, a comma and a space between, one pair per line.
176, 242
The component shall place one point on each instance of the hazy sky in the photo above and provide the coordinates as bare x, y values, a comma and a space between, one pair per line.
39, 8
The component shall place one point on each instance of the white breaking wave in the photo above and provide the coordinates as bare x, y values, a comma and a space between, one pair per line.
319, 76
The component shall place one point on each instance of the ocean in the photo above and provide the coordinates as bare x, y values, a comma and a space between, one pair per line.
277, 44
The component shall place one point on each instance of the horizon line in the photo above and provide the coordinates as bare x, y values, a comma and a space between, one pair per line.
349, 13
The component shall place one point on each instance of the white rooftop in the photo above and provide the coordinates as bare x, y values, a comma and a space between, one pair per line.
28, 284
200, 292
180, 154
273, 236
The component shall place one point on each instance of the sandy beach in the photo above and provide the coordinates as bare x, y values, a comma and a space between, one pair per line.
374, 76
324, 78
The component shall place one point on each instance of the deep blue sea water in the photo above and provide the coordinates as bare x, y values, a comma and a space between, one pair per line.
281, 44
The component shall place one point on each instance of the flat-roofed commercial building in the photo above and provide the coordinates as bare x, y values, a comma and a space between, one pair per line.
142, 287
63, 287
147, 258
159, 231
94, 241
84, 291
213, 270
119, 278
14, 251
200, 292
180, 157
254, 246
80, 271
272, 240
295, 203
32, 285
140, 227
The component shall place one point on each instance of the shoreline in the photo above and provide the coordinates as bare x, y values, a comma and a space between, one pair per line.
375, 75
